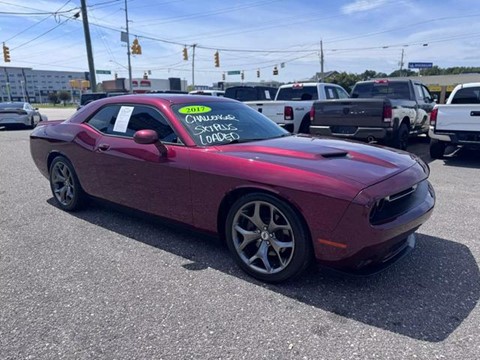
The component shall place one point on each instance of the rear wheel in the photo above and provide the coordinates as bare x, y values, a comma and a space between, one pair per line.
305, 126
401, 140
437, 149
66, 189
267, 238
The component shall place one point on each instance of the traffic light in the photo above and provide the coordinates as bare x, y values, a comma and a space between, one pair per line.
242, 75
6, 53
185, 53
223, 76
258, 73
217, 59
136, 48
275, 70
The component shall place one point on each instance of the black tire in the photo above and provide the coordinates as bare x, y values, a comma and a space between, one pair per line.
267, 238
305, 126
66, 189
401, 138
437, 149
32, 123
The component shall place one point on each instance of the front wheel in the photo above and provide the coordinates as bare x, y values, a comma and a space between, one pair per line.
267, 238
66, 189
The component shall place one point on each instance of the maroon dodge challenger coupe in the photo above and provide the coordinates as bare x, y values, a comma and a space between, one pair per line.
279, 200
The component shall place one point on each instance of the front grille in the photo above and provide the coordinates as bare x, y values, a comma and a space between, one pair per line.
394, 205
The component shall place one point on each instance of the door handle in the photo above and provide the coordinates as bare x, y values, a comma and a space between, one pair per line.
103, 147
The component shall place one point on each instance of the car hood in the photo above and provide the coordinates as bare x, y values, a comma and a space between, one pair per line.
346, 160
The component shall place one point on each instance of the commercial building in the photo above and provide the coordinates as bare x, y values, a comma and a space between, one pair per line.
27, 84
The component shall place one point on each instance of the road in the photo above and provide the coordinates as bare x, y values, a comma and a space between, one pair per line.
103, 284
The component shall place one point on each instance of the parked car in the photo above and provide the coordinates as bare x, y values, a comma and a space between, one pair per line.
208, 92
457, 123
19, 113
383, 110
278, 200
292, 104
250, 93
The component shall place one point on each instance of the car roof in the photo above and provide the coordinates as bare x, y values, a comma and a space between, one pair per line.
161, 98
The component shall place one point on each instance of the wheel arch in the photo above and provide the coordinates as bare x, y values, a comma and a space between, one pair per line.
230, 198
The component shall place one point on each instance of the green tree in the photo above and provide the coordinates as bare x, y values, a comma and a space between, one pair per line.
53, 98
64, 96
345, 80
403, 72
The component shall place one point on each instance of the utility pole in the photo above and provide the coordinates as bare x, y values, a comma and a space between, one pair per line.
130, 90
401, 63
321, 61
88, 44
193, 66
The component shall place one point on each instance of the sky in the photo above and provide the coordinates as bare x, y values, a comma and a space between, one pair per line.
249, 35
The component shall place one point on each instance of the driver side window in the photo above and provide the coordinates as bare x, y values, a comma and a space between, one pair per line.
141, 118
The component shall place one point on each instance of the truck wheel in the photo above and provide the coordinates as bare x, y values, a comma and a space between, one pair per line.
305, 126
401, 140
437, 149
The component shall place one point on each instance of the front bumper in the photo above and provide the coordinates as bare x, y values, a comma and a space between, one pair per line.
361, 243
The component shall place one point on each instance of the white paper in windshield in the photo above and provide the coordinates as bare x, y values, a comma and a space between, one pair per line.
123, 118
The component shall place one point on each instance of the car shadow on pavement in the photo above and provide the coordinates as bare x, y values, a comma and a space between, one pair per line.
426, 296
467, 158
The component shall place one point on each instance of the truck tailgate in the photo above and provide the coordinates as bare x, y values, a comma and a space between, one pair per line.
274, 110
341, 114
458, 118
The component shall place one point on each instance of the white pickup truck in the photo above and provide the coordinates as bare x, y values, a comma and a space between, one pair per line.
292, 104
457, 122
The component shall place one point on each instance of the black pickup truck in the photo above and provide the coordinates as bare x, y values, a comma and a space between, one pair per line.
387, 111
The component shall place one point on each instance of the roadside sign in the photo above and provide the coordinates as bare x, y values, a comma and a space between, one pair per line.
234, 72
420, 65
105, 72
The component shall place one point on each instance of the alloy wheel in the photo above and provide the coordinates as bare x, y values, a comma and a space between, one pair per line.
63, 183
263, 237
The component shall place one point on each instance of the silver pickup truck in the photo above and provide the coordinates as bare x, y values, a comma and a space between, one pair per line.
457, 122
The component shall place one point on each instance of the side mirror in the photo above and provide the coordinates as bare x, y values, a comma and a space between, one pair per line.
146, 137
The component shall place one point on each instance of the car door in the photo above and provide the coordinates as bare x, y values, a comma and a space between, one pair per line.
140, 176
425, 105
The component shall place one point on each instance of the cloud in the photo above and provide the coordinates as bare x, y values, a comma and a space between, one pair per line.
362, 5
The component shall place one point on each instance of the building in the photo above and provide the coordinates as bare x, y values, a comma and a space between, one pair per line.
27, 84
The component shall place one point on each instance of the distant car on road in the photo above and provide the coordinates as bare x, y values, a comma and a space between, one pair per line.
19, 113
278, 200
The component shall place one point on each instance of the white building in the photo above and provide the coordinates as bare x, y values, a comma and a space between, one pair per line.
19, 84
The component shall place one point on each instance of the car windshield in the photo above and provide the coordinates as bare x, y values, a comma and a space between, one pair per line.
219, 123
14, 105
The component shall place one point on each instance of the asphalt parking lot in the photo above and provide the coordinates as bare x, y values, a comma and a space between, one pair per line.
104, 284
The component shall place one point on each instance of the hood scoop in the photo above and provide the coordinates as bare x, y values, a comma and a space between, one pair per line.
333, 154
